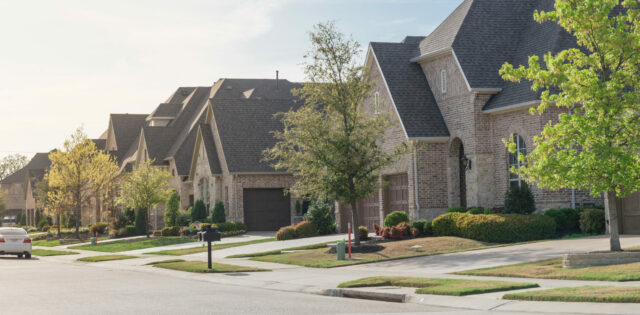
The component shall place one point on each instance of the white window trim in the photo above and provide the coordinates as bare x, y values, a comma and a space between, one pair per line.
376, 102
518, 163
443, 81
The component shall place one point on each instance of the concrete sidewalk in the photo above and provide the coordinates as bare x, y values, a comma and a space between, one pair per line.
246, 237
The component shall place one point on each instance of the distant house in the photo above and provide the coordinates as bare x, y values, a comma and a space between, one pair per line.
447, 97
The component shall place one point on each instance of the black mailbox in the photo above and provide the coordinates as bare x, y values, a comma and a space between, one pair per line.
210, 235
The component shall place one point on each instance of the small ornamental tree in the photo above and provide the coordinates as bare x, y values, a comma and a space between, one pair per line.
12, 163
199, 211
217, 215
173, 209
519, 199
141, 222
595, 143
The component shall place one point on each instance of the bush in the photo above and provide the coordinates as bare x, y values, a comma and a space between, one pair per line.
305, 229
199, 212
99, 227
183, 219
377, 229
415, 232
592, 221
130, 230
130, 216
185, 231
495, 228
404, 228
286, 233
217, 215
487, 211
45, 228
386, 233
42, 223
170, 231
319, 213
418, 225
519, 199
567, 220
173, 209
476, 210
141, 222
395, 217
231, 227
363, 232
428, 229
395, 233
457, 209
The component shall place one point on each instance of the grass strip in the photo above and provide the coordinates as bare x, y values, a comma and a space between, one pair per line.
105, 258
201, 267
279, 251
201, 249
53, 243
321, 258
456, 287
124, 245
552, 269
48, 252
598, 294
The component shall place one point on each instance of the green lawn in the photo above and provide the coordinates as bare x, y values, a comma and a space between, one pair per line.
105, 258
53, 243
277, 252
457, 287
425, 246
201, 266
203, 248
123, 245
47, 252
552, 269
601, 294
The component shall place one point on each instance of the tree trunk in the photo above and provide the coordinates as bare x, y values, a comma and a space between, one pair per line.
611, 219
355, 224
147, 221
59, 222
77, 217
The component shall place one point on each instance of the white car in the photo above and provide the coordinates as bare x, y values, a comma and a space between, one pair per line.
15, 241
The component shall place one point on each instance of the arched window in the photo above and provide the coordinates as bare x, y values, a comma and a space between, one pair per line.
514, 178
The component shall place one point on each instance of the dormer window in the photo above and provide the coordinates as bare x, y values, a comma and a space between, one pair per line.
443, 81
376, 102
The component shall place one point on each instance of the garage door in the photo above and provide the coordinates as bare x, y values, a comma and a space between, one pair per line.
369, 211
266, 209
630, 209
397, 193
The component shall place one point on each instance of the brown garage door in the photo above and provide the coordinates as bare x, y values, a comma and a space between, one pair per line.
629, 207
266, 209
397, 193
369, 211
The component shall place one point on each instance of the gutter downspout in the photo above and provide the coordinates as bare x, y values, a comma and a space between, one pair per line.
415, 182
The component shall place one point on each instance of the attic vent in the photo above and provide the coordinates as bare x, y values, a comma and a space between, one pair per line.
228, 87
247, 94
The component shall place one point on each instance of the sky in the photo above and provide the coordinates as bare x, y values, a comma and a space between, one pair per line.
69, 64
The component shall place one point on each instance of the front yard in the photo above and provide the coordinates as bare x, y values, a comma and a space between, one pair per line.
124, 245
321, 258
600, 294
552, 269
47, 252
203, 248
201, 266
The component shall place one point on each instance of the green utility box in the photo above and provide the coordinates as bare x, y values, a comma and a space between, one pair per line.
93, 241
340, 250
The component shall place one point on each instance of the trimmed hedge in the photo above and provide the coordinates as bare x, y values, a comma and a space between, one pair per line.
567, 220
170, 231
305, 229
495, 228
286, 233
592, 221
363, 232
395, 217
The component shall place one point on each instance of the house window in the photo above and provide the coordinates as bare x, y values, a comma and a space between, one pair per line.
376, 104
443, 81
514, 162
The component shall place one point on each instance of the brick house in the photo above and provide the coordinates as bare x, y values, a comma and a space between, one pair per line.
448, 99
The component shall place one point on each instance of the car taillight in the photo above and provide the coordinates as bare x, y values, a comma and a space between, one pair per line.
27, 240
1, 240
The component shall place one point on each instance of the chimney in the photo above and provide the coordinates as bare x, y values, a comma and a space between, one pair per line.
277, 83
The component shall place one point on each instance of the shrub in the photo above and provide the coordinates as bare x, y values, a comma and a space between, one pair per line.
319, 213
476, 210
199, 212
183, 219
418, 225
42, 223
286, 233
173, 208
428, 229
567, 220
305, 229
217, 215
395, 233
395, 217
457, 209
487, 211
118, 222
185, 231
99, 228
170, 231
496, 228
415, 232
404, 227
130, 230
130, 216
363, 232
377, 229
386, 233
592, 221
45, 228
122, 231
231, 227
519, 199
141, 222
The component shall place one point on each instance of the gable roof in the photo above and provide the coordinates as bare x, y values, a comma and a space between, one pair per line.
244, 127
166, 110
39, 162
126, 128
210, 149
409, 89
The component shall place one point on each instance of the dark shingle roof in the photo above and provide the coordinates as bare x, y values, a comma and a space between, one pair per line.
244, 127
210, 148
39, 162
101, 144
167, 110
409, 89
126, 128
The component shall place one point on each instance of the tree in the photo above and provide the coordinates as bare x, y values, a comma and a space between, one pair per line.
199, 211
76, 172
331, 144
52, 200
173, 209
144, 188
12, 163
2, 202
594, 145
218, 215
105, 172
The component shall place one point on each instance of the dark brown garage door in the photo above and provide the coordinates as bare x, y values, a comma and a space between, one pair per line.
397, 193
629, 207
266, 209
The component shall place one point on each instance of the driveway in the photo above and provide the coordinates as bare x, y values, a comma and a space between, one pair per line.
447, 263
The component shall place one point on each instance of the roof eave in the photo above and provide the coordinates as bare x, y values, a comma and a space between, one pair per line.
510, 108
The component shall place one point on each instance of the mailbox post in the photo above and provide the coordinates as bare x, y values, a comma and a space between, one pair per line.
209, 235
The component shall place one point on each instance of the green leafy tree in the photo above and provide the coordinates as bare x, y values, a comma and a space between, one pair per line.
199, 211
53, 201
173, 209
331, 144
12, 163
594, 144
218, 215
144, 188
141, 222
2, 202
